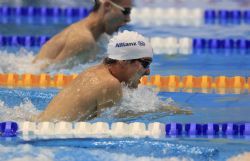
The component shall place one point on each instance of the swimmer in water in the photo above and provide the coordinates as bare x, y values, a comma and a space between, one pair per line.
99, 87
80, 38
242, 157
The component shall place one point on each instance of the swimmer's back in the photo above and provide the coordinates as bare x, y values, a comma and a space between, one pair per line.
71, 41
84, 97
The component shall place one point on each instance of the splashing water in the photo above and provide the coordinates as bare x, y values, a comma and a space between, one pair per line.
24, 112
20, 62
135, 101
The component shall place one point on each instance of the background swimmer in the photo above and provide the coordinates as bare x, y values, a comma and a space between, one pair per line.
80, 39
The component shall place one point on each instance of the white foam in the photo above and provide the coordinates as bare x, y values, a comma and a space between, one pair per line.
19, 62
25, 111
26, 152
136, 101
39, 157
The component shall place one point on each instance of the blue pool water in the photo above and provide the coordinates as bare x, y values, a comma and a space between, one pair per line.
20, 104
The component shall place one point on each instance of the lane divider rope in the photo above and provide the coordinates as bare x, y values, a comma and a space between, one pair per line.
171, 83
142, 16
31, 11
161, 45
121, 129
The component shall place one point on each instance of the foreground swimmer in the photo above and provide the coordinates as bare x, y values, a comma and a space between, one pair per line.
241, 157
80, 39
99, 87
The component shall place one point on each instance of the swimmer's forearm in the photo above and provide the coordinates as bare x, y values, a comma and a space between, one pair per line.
168, 109
175, 110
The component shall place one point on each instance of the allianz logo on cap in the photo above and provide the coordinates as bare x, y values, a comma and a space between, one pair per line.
124, 44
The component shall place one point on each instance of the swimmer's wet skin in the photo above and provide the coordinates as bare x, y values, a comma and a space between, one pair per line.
81, 37
100, 86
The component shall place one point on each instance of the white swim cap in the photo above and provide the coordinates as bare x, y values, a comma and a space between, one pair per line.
129, 45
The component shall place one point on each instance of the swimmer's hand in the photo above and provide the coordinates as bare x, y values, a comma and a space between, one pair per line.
176, 110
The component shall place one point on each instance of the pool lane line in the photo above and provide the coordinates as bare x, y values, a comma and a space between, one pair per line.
66, 130
143, 16
161, 45
170, 83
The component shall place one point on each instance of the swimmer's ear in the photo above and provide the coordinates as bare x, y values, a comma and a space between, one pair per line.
106, 6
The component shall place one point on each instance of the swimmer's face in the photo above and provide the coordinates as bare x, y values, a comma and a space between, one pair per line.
136, 69
115, 17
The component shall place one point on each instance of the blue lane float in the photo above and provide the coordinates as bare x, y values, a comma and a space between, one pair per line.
173, 129
226, 16
245, 129
8, 129
210, 129
193, 129
201, 43
26, 41
230, 129
44, 11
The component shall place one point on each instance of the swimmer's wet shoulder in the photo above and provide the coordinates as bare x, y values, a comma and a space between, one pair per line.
82, 36
67, 44
83, 99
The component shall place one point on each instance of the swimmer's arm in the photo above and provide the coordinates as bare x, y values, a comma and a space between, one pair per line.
174, 110
112, 95
168, 109
71, 105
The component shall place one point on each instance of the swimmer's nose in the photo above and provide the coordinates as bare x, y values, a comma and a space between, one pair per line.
147, 72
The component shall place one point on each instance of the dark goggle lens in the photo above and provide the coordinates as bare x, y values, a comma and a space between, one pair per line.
126, 11
145, 63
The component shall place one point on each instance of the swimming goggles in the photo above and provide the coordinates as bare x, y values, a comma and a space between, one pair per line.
145, 63
125, 10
